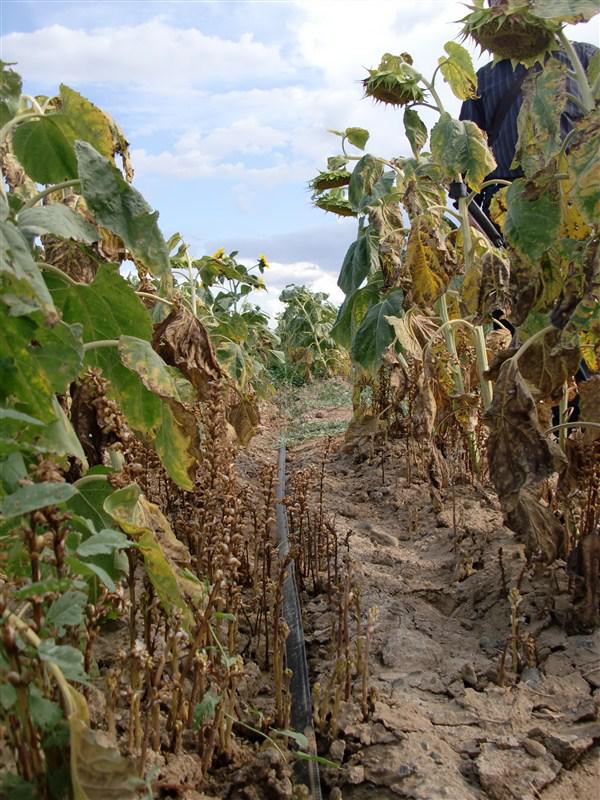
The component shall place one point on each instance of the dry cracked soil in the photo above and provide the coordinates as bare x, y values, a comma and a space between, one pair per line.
445, 720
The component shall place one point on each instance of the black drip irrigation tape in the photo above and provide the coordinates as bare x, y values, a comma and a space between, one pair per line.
295, 651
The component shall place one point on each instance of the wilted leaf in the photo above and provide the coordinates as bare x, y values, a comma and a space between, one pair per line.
36, 495
409, 344
537, 526
458, 71
20, 373
22, 284
415, 129
160, 548
139, 356
427, 268
81, 119
361, 259
532, 222
10, 92
357, 136
353, 310
182, 341
520, 455
424, 408
59, 220
245, 419
369, 183
584, 166
44, 152
589, 407
121, 209
375, 334
538, 123
98, 770
569, 11
177, 442
460, 148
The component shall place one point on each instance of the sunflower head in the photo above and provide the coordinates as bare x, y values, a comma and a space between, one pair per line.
336, 202
510, 30
330, 179
394, 82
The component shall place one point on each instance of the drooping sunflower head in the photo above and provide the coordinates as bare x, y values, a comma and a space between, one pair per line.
509, 29
336, 202
394, 82
330, 179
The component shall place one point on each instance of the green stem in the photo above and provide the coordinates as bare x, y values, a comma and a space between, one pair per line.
58, 271
564, 425
536, 336
482, 366
563, 409
155, 297
192, 280
101, 343
498, 181
463, 210
89, 479
442, 307
12, 123
446, 210
48, 190
577, 101
435, 95
34, 103
587, 98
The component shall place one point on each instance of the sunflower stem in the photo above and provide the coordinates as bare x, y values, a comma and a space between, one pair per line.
587, 98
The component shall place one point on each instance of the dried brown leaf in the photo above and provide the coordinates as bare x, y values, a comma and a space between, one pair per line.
244, 419
519, 454
545, 366
537, 526
182, 341
589, 407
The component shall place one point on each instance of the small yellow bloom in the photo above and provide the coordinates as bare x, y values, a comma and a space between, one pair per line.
262, 260
219, 253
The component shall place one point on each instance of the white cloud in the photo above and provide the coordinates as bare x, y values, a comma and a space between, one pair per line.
301, 273
153, 54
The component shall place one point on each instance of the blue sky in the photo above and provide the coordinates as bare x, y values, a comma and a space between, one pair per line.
226, 105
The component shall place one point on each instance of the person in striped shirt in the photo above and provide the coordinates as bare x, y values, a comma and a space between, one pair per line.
497, 106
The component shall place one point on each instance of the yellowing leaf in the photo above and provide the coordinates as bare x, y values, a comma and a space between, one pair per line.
162, 551
460, 148
458, 71
98, 770
584, 167
429, 277
81, 119
408, 342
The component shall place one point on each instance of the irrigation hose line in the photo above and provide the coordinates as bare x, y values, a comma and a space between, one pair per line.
295, 649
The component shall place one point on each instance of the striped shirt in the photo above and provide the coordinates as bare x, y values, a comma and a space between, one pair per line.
493, 81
